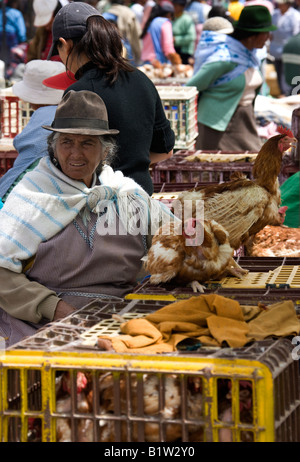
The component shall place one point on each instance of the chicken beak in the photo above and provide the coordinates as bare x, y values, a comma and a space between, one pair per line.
294, 143
287, 144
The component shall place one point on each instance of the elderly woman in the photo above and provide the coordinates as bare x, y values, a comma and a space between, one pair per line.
72, 229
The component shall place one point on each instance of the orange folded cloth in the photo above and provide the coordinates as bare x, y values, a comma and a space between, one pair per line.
212, 319
228, 330
279, 320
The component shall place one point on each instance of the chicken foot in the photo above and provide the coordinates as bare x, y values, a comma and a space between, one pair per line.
197, 287
235, 269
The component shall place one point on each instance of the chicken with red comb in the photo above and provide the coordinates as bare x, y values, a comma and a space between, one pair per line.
243, 206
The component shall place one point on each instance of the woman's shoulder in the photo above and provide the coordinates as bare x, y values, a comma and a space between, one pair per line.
135, 82
217, 67
209, 72
221, 64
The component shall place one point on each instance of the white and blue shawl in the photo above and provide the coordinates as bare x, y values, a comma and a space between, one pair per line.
45, 201
214, 47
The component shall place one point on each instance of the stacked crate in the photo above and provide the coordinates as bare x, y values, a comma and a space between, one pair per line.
180, 106
190, 168
179, 170
7, 158
14, 116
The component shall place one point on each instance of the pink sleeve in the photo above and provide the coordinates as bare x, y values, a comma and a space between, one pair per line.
167, 41
148, 53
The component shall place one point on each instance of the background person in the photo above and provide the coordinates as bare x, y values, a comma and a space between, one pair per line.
138, 9
157, 36
15, 33
128, 26
215, 24
31, 143
228, 81
44, 13
184, 32
198, 9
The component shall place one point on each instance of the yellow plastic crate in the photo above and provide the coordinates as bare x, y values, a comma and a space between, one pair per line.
287, 275
279, 284
83, 394
180, 106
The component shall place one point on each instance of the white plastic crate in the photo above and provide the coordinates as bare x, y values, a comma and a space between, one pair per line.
180, 105
15, 113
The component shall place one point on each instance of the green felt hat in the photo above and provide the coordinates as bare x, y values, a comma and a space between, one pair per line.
255, 18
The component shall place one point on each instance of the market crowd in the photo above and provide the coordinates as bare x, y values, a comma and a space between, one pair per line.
155, 32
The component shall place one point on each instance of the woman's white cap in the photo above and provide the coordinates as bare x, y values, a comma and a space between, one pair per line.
218, 24
31, 88
43, 10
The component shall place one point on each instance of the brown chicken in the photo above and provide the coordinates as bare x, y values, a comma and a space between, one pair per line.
242, 206
174, 255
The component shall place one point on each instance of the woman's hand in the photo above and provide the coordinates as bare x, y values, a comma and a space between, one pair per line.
63, 309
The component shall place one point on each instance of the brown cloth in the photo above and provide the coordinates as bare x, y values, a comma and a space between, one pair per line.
212, 319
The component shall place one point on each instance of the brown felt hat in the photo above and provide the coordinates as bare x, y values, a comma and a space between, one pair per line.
83, 113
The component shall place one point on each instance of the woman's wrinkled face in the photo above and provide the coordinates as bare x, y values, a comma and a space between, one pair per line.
79, 156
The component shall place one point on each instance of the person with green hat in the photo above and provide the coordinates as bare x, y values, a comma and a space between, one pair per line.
184, 32
228, 79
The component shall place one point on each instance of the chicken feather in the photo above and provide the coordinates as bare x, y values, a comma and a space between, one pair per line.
170, 257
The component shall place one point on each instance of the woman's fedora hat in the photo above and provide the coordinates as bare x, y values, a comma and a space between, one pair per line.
255, 18
83, 113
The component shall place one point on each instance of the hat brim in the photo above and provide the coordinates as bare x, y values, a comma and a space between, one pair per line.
34, 96
60, 81
53, 51
82, 131
227, 30
253, 29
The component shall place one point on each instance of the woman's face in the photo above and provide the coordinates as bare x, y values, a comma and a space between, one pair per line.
260, 39
79, 156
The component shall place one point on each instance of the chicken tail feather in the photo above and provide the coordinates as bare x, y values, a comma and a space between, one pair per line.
162, 277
